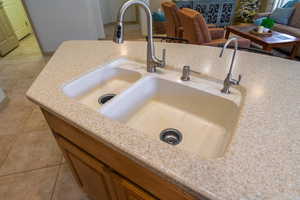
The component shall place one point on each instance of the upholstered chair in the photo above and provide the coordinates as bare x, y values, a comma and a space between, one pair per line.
196, 31
173, 26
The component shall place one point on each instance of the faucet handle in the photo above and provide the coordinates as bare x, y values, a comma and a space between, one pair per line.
186, 73
162, 62
164, 55
236, 82
239, 79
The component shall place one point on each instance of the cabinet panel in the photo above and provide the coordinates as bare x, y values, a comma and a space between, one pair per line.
126, 167
92, 175
93, 183
128, 191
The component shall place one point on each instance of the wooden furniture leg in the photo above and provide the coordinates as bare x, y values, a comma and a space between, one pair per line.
227, 34
295, 50
267, 48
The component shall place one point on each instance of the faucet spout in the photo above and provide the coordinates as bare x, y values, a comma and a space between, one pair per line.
119, 33
228, 80
152, 60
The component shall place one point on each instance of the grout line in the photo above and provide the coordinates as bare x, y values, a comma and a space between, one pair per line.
24, 121
10, 149
31, 170
55, 183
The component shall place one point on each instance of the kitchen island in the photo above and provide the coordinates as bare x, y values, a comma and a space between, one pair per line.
262, 161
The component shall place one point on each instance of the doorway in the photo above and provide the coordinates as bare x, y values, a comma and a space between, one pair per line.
16, 34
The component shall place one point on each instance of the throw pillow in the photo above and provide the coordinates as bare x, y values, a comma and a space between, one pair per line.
258, 21
282, 15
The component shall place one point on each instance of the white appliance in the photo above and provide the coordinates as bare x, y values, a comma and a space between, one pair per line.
2, 96
56, 21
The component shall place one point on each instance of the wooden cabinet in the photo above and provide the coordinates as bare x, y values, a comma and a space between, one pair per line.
93, 182
105, 173
8, 39
126, 190
97, 180
91, 175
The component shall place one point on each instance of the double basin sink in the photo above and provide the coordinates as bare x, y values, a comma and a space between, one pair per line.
194, 115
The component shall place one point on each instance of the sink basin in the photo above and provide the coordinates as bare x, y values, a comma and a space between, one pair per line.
153, 104
108, 79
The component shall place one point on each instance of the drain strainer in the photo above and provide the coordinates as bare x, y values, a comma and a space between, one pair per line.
171, 136
105, 98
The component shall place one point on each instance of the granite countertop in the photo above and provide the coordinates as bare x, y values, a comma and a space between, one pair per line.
263, 161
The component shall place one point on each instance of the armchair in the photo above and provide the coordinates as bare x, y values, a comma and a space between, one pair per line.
196, 31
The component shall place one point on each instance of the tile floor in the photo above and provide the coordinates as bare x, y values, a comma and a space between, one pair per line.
31, 164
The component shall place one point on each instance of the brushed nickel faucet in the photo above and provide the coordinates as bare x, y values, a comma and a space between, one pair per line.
152, 60
228, 80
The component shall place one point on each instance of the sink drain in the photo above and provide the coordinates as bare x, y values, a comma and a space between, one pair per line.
171, 136
105, 98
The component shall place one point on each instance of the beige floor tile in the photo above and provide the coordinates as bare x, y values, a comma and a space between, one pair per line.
6, 142
36, 121
10, 71
27, 48
35, 185
66, 186
6, 83
19, 99
22, 85
31, 69
12, 118
22, 70
32, 151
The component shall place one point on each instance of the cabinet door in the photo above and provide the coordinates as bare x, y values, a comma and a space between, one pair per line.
128, 191
8, 39
92, 176
16, 14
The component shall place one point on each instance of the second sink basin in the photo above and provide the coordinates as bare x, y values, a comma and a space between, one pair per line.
206, 121
108, 79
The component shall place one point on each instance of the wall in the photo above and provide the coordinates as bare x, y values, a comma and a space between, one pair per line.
56, 21
106, 11
155, 4
110, 10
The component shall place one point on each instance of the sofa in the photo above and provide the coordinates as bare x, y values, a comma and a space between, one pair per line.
293, 27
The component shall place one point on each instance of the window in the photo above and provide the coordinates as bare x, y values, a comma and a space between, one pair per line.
279, 3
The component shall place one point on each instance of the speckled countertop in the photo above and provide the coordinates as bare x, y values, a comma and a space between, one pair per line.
263, 161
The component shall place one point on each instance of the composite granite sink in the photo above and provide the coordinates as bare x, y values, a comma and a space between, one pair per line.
204, 117
109, 79
205, 121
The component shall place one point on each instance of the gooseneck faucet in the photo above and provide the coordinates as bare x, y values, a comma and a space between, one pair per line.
152, 60
228, 80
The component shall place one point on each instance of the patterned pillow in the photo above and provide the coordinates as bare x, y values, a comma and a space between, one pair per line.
282, 15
